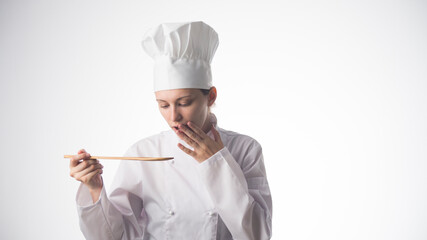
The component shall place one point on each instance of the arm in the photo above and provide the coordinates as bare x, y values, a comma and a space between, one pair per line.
115, 217
99, 220
240, 193
241, 196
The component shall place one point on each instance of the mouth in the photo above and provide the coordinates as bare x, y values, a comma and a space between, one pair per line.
176, 128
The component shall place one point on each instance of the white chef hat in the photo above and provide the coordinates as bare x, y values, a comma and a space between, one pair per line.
182, 54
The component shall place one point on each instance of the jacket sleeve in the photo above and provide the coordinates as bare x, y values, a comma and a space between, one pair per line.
240, 194
119, 216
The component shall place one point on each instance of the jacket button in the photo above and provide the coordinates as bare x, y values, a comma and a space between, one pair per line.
210, 213
171, 212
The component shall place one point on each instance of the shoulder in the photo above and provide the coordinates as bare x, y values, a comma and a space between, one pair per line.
246, 151
238, 141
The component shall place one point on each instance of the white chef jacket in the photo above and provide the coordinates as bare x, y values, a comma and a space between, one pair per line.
225, 197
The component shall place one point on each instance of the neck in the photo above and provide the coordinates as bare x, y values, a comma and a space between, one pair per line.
207, 125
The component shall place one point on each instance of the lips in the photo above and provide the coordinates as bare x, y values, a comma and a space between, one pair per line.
176, 127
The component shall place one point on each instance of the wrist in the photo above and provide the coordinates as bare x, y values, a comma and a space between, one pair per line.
95, 193
95, 189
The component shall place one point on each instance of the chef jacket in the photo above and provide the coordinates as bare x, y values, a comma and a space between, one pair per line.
225, 197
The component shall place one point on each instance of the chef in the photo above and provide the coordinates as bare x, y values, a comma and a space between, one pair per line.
215, 187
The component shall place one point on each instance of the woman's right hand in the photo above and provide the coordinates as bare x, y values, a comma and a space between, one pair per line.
87, 171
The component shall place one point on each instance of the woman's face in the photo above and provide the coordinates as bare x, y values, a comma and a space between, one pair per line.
179, 106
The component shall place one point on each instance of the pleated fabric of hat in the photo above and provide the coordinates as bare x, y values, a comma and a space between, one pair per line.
182, 54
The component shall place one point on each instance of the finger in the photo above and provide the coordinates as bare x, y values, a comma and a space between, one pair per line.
190, 133
187, 139
91, 168
83, 165
81, 151
75, 159
197, 130
78, 175
186, 150
89, 176
216, 135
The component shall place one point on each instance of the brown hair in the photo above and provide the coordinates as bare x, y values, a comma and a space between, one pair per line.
205, 91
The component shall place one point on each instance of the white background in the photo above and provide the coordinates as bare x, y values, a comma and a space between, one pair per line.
335, 91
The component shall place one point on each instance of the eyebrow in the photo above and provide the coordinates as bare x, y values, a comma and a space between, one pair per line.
176, 99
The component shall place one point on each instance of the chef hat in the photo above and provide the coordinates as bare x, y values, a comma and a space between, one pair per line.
182, 54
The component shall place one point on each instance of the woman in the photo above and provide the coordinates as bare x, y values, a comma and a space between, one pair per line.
216, 186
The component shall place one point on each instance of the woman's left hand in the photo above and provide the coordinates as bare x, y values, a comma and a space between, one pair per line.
204, 146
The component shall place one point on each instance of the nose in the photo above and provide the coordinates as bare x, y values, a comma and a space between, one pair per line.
175, 115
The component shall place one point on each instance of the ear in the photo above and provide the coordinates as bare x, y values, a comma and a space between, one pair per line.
212, 96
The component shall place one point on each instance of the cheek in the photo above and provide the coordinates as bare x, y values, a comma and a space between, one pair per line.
164, 113
199, 114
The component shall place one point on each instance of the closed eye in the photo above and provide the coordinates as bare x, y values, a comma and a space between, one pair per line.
184, 104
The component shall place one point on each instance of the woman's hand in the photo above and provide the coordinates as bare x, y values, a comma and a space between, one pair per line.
204, 146
87, 171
